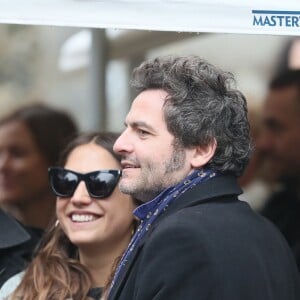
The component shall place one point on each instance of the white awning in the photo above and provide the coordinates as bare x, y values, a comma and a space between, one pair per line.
276, 17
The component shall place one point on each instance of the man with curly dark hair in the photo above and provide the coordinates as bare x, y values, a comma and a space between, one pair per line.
185, 143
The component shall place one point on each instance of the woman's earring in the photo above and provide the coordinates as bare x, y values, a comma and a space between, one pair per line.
56, 223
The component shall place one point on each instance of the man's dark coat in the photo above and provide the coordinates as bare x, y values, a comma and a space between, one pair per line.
208, 245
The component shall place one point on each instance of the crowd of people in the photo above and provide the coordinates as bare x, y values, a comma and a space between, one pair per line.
154, 212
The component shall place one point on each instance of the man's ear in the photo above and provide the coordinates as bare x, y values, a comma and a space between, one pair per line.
203, 154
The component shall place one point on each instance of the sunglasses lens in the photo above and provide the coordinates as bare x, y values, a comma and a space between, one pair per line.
63, 182
102, 184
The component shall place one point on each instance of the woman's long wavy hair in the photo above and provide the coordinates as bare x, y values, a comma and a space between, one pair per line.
55, 272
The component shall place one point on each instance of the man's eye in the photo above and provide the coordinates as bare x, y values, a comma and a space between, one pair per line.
18, 152
142, 132
276, 128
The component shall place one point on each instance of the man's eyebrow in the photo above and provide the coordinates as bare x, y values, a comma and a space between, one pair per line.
142, 124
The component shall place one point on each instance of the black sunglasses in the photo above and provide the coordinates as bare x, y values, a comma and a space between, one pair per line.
99, 184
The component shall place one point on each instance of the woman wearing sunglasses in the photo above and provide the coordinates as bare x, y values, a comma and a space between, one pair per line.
94, 225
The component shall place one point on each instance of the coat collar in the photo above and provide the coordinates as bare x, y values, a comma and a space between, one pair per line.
218, 186
12, 233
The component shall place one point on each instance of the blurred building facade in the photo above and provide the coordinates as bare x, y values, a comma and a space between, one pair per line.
59, 65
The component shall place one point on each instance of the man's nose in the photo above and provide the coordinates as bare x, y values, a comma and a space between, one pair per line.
4, 161
264, 142
123, 143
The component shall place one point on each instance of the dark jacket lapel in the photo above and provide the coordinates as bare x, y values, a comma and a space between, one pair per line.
126, 269
12, 233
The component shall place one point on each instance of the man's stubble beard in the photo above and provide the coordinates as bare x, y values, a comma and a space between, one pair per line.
150, 183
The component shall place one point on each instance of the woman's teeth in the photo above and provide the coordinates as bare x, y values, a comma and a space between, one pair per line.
83, 218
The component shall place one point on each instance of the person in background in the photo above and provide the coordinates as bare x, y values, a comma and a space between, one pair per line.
95, 223
294, 55
185, 143
289, 58
254, 181
31, 139
280, 143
